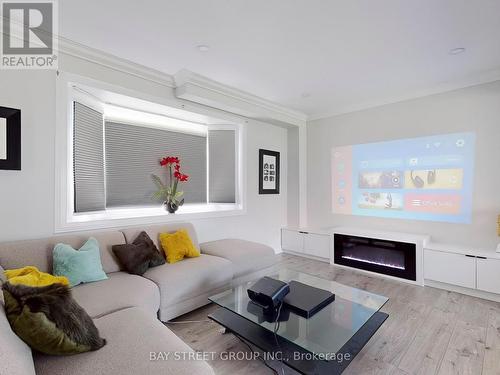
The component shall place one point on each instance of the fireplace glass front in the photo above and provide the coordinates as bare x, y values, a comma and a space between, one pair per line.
391, 258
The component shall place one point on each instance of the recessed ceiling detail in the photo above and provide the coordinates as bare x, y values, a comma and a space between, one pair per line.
456, 51
203, 48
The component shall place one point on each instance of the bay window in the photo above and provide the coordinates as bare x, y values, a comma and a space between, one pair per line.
115, 150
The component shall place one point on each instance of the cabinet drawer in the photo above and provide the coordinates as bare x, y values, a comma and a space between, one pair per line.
488, 275
456, 269
317, 245
292, 240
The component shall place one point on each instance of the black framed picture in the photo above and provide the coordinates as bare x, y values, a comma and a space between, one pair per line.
269, 172
10, 138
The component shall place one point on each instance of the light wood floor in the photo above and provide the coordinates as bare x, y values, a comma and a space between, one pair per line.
429, 331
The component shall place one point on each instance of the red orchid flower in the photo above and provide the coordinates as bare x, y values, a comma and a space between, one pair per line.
181, 177
169, 160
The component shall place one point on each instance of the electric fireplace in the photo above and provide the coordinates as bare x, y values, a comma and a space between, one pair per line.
391, 258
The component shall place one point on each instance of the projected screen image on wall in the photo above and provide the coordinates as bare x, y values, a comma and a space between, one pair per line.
427, 178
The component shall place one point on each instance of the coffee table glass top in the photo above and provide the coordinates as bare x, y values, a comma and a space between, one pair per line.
325, 332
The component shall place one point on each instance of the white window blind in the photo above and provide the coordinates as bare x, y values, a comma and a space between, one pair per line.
133, 154
88, 159
222, 166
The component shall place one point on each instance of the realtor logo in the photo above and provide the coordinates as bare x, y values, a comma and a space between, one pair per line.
28, 34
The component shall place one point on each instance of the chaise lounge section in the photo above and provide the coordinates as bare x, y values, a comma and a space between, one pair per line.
249, 260
186, 285
126, 307
132, 335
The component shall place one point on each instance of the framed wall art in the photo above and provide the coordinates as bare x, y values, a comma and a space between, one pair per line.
10, 138
269, 172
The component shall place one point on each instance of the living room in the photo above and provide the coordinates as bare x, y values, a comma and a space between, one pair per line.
263, 187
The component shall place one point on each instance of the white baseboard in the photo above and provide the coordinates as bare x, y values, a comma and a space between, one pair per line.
462, 290
326, 260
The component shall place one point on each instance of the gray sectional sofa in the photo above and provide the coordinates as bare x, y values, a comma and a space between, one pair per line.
128, 309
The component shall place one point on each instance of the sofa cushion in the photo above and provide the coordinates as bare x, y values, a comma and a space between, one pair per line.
178, 246
32, 276
246, 256
118, 292
2, 276
131, 338
15, 355
138, 256
154, 232
79, 266
38, 253
190, 278
49, 320
157, 258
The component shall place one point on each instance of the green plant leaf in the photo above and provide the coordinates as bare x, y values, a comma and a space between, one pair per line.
157, 180
159, 195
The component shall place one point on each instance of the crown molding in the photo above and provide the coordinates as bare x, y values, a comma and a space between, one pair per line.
197, 88
485, 77
192, 87
81, 51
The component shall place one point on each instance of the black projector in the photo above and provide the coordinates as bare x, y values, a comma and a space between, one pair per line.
268, 293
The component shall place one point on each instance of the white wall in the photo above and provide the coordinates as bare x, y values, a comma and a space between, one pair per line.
474, 109
266, 214
293, 188
27, 197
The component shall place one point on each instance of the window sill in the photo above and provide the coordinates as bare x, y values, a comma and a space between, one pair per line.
129, 216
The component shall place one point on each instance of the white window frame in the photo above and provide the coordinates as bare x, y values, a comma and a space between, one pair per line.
67, 220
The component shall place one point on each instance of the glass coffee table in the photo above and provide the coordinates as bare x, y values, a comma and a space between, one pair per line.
325, 343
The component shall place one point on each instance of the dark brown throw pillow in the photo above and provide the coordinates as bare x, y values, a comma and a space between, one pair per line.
139, 255
157, 258
49, 320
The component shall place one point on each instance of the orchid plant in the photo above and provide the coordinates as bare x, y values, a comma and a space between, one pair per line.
168, 193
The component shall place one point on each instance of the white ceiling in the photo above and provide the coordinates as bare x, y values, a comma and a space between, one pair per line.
341, 55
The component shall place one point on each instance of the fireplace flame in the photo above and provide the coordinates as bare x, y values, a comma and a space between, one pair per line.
374, 262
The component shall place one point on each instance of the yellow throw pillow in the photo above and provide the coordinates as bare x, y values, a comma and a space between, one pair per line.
31, 276
178, 245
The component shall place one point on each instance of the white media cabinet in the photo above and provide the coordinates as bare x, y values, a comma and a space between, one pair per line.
463, 269
310, 243
456, 268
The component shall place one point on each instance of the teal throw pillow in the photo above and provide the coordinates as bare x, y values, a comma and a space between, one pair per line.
79, 266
